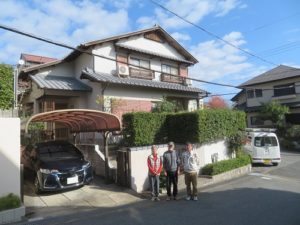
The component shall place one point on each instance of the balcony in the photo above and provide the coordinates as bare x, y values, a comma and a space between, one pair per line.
172, 79
143, 74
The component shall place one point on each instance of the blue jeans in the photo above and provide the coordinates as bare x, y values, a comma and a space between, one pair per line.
154, 184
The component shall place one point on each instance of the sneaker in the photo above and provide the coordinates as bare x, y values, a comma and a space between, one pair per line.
168, 198
188, 198
175, 198
157, 199
195, 198
153, 199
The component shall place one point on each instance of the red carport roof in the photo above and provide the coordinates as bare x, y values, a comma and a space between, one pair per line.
79, 120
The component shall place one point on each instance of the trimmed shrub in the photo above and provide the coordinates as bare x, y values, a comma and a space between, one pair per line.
201, 126
10, 201
183, 127
144, 128
225, 165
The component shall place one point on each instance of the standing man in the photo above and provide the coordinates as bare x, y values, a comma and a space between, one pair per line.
171, 167
190, 163
155, 166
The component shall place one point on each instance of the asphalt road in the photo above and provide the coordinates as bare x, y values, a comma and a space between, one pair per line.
269, 195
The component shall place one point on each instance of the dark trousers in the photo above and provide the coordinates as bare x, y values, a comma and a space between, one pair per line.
172, 179
154, 184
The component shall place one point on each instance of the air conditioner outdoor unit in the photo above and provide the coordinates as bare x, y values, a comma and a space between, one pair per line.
188, 82
123, 70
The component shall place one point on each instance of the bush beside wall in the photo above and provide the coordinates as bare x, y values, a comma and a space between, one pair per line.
225, 165
10, 201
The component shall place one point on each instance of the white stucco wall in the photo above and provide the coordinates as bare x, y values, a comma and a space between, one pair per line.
10, 156
81, 62
63, 69
149, 45
104, 65
138, 160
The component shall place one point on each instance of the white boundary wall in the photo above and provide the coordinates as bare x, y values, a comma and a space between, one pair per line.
10, 156
138, 160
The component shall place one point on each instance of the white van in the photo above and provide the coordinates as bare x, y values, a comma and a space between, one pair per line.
262, 145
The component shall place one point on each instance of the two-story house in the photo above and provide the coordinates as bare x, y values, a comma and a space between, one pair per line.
124, 73
281, 83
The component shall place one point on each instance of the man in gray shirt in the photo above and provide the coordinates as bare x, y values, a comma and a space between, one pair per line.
171, 167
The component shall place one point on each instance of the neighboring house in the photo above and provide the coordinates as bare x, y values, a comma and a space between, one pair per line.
31, 60
82, 80
281, 83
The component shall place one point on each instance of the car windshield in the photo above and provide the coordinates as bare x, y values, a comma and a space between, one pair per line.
59, 150
265, 141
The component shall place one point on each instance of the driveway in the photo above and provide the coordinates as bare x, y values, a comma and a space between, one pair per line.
97, 194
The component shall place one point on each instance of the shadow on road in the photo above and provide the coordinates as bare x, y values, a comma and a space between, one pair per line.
243, 206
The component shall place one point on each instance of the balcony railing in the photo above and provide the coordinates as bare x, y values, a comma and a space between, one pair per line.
172, 79
138, 73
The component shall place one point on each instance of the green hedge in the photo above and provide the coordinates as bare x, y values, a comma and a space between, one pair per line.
144, 128
201, 126
10, 201
225, 165
183, 127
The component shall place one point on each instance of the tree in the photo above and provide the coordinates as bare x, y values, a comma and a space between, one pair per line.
6, 86
275, 112
165, 106
217, 102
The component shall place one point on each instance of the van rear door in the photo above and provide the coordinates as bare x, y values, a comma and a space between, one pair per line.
266, 147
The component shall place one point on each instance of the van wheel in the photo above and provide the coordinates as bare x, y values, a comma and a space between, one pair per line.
275, 164
37, 187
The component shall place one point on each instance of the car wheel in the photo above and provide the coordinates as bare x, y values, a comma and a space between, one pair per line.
275, 164
37, 187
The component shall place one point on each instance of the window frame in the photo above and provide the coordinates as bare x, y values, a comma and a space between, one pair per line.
285, 89
133, 58
170, 69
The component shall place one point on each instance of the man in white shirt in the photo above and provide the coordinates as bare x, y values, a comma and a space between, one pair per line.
190, 163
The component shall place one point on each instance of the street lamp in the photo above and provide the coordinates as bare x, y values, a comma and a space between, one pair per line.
21, 62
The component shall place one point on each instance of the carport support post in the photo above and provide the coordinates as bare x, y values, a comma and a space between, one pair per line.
105, 139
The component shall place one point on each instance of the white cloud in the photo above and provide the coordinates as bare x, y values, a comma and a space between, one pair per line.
219, 61
181, 37
70, 22
192, 10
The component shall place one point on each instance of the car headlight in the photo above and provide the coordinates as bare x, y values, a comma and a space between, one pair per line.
88, 164
47, 171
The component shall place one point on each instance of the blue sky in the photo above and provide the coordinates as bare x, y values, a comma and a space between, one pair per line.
268, 28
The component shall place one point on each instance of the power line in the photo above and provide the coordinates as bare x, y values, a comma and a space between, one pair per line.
14, 30
271, 23
213, 35
78, 49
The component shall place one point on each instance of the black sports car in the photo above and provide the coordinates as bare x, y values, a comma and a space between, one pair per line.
56, 165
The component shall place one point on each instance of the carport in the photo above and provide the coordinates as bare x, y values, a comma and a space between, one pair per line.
82, 120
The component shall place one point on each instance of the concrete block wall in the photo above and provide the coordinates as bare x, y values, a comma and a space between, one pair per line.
10, 156
138, 160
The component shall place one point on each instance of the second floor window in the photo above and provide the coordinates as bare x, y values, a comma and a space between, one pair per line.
140, 62
169, 69
255, 93
286, 89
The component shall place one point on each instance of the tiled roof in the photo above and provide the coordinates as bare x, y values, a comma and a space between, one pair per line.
37, 58
59, 83
152, 53
104, 77
279, 73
